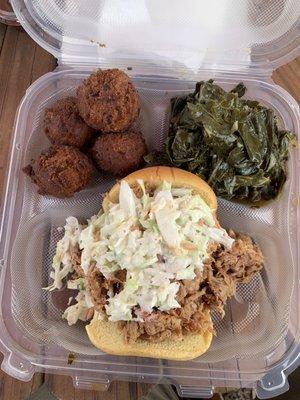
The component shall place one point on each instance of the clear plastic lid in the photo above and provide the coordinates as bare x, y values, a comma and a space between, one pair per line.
183, 35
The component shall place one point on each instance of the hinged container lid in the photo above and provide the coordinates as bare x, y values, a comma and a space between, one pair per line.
184, 35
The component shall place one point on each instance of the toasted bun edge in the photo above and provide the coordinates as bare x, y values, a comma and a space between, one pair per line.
156, 175
106, 336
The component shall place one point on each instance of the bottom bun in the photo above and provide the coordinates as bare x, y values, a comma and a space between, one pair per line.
106, 336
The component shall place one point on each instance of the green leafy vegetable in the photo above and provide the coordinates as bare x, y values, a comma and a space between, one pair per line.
236, 145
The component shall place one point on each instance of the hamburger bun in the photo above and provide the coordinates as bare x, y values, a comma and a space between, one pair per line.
106, 335
153, 176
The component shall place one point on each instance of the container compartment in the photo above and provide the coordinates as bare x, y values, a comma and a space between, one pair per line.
256, 333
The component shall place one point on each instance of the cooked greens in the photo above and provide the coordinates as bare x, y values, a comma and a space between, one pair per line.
236, 145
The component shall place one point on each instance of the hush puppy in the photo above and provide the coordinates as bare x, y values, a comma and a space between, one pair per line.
119, 153
64, 126
108, 101
60, 171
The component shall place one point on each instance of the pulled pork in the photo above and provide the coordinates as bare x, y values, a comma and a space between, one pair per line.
76, 263
208, 291
98, 286
227, 267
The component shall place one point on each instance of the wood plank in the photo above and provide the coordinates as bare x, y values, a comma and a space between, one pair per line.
2, 34
21, 62
12, 389
18, 71
43, 62
143, 389
7, 60
288, 77
62, 387
19, 65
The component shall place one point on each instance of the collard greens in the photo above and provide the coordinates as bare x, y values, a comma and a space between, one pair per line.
236, 145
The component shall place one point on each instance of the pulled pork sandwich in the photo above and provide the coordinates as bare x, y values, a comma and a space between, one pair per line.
153, 265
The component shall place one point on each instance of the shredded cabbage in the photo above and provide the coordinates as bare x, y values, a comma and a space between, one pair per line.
127, 199
76, 284
62, 261
77, 311
219, 235
158, 239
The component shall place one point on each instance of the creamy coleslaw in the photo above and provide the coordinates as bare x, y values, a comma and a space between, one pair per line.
158, 239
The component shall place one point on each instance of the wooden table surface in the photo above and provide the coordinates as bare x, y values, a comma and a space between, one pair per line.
22, 62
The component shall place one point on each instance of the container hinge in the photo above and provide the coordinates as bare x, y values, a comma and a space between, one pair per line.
150, 68
17, 367
275, 382
67, 63
272, 384
99, 383
195, 392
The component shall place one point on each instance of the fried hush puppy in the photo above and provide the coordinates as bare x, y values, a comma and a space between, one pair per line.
108, 101
60, 171
119, 153
64, 126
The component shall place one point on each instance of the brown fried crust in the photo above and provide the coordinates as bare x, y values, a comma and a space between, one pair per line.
60, 171
64, 126
120, 153
108, 101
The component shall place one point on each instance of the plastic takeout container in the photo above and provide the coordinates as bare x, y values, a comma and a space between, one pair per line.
165, 47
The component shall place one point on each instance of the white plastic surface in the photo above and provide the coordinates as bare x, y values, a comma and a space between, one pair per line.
257, 332
223, 34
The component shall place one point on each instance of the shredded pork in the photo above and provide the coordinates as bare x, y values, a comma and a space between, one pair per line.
208, 291
76, 263
99, 287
